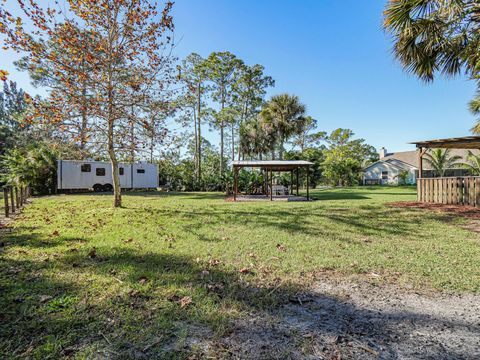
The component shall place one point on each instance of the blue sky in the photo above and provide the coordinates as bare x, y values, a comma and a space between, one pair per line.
335, 56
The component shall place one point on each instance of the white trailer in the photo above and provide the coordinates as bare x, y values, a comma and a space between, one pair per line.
97, 175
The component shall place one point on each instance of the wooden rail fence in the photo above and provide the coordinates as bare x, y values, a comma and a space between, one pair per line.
14, 198
450, 191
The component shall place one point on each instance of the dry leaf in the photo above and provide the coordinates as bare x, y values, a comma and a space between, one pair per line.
245, 270
281, 247
185, 301
213, 262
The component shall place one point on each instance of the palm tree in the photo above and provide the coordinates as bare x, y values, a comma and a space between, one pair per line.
440, 160
282, 116
254, 140
436, 36
473, 163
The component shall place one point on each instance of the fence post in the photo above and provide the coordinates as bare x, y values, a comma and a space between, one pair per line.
12, 198
5, 199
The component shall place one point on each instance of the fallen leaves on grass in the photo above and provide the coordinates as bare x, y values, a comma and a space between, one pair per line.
183, 302
55, 233
215, 287
213, 262
281, 247
246, 270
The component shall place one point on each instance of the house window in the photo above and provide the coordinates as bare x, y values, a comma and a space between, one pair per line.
384, 175
140, 171
121, 171
86, 168
100, 171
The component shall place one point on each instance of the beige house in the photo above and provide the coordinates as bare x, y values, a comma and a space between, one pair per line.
386, 171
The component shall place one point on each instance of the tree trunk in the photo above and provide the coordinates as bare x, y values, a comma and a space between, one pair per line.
243, 118
199, 133
233, 141
132, 142
195, 154
221, 148
117, 202
222, 125
83, 129
152, 139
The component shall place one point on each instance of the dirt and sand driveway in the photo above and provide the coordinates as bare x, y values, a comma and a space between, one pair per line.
358, 319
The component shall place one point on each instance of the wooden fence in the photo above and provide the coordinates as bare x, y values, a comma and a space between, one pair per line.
14, 198
450, 190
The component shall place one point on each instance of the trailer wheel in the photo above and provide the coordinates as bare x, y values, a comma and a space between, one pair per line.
108, 187
97, 188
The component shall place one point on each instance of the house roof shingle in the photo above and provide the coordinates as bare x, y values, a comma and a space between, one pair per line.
411, 157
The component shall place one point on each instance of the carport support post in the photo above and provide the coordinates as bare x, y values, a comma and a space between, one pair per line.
308, 182
271, 185
265, 181
235, 173
298, 184
421, 152
291, 182
420, 162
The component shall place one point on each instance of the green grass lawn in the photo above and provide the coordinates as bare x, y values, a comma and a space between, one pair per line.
78, 277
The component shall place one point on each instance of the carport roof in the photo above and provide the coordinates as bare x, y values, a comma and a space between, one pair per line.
275, 165
466, 142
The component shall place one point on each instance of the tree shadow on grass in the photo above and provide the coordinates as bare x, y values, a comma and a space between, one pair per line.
350, 194
122, 303
184, 195
339, 195
363, 221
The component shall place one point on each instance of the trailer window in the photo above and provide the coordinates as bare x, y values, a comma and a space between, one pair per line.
100, 171
86, 168
140, 171
121, 171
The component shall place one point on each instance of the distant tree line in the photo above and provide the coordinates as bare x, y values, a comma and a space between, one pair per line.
116, 92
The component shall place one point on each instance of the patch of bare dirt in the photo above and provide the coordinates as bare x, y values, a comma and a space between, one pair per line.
472, 214
342, 319
461, 210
